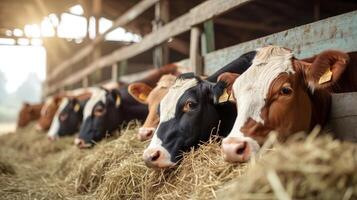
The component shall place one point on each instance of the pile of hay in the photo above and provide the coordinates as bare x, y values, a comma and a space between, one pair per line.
303, 168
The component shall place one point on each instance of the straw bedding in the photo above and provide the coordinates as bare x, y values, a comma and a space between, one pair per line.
313, 167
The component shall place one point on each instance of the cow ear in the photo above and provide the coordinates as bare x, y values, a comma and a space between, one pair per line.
325, 69
139, 91
223, 88
116, 96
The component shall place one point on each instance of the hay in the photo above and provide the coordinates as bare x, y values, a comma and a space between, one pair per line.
312, 168
303, 168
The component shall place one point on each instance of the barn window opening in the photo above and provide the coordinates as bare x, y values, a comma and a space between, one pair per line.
76, 10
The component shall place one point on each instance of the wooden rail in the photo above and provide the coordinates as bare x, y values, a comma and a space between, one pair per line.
339, 32
201, 13
124, 19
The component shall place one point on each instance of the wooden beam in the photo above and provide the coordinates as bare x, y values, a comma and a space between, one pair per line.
115, 72
195, 53
201, 13
339, 32
124, 19
207, 38
248, 25
162, 17
343, 116
96, 54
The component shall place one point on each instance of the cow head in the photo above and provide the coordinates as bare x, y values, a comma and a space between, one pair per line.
48, 112
280, 93
28, 113
105, 112
153, 101
70, 117
188, 113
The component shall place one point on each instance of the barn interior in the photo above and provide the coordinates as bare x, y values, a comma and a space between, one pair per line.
250, 21
95, 42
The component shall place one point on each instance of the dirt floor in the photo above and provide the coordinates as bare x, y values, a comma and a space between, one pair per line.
313, 167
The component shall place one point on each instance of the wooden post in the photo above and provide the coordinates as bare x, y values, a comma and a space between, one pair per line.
85, 82
97, 9
162, 16
115, 72
123, 67
207, 38
195, 54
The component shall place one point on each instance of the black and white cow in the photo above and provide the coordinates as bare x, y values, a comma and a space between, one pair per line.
105, 112
108, 109
188, 113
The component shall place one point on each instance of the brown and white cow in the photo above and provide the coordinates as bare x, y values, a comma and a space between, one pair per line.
48, 112
284, 94
28, 113
153, 101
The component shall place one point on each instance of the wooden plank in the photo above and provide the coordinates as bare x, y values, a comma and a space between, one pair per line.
207, 38
201, 13
195, 53
339, 32
343, 116
162, 17
115, 72
124, 19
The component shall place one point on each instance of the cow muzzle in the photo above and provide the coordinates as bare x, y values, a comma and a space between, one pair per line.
82, 144
39, 127
145, 133
238, 149
157, 157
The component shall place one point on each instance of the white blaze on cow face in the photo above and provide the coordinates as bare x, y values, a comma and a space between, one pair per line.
169, 102
251, 90
97, 96
55, 125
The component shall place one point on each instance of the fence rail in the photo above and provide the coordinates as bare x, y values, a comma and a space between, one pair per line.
339, 32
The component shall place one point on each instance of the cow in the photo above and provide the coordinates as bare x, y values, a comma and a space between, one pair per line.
284, 94
153, 100
48, 112
108, 109
28, 113
189, 112
70, 113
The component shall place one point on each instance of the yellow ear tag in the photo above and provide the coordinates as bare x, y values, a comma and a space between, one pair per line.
143, 96
77, 107
225, 97
326, 77
117, 101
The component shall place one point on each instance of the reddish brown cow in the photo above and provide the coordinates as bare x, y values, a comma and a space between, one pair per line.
284, 94
48, 111
28, 113
153, 101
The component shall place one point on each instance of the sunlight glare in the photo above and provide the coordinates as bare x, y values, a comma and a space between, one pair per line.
7, 41
77, 10
72, 26
33, 60
32, 30
47, 29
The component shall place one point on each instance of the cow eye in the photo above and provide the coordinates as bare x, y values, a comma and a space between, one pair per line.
98, 111
188, 106
286, 90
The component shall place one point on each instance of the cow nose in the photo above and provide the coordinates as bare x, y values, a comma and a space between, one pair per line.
39, 127
81, 143
156, 158
145, 133
235, 150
